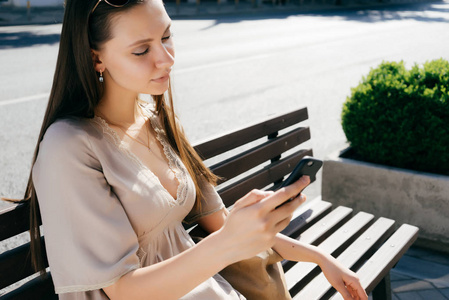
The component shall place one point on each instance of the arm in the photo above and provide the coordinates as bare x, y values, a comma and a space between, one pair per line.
338, 275
250, 228
163, 280
342, 279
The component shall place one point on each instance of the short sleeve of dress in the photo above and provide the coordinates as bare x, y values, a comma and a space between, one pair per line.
90, 242
210, 202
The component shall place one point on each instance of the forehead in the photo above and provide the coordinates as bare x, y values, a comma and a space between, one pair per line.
146, 20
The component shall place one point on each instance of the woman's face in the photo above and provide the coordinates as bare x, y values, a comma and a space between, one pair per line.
140, 54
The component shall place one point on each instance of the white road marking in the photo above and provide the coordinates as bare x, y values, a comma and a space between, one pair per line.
24, 99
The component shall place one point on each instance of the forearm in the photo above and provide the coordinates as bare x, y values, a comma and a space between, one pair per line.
342, 279
174, 277
294, 250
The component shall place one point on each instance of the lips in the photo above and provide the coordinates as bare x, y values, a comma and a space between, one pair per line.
161, 79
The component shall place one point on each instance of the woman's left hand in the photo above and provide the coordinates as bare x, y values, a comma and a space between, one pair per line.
345, 281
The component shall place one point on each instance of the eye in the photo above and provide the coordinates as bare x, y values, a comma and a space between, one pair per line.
142, 53
166, 38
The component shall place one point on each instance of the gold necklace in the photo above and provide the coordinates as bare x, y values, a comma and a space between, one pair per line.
148, 133
134, 139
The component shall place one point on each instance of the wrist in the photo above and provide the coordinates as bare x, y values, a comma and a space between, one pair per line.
223, 252
322, 257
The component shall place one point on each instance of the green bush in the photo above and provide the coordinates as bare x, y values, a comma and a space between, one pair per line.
400, 117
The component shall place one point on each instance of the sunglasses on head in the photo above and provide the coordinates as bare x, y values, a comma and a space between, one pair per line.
115, 3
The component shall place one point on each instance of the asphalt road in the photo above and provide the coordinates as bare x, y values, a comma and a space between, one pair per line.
234, 70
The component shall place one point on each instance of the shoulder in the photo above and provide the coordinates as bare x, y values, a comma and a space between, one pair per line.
65, 138
66, 132
65, 149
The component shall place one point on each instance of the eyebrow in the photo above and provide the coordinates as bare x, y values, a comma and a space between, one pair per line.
147, 40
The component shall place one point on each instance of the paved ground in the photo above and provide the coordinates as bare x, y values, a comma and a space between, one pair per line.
421, 275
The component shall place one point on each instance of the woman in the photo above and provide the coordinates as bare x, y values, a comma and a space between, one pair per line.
115, 177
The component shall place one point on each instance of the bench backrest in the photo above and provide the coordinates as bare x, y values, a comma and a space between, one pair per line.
248, 158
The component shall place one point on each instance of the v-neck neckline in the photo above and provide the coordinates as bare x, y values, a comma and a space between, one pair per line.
170, 156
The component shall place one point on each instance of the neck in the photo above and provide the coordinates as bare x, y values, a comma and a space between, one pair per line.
119, 107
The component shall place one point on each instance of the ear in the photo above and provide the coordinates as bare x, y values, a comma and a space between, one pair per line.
98, 64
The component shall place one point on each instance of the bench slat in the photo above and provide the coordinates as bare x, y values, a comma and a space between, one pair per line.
303, 220
243, 136
251, 158
14, 220
371, 238
34, 289
378, 266
303, 272
326, 226
16, 264
261, 178
347, 233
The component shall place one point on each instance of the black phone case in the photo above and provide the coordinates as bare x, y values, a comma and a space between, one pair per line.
307, 166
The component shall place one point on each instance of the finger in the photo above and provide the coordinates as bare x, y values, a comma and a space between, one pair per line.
302, 198
357, 289
282, 224
360, 291
283, 215
343, 290
350, 290
354, 294
285, 193
251, 198
299, 185
285, 210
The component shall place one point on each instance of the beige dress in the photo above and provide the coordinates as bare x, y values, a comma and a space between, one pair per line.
105, 213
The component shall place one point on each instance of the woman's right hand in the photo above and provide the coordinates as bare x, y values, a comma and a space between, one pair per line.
255, 219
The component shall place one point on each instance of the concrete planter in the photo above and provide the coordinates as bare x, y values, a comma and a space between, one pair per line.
417, 198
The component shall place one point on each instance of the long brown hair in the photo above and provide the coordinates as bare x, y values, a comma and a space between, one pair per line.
76, 91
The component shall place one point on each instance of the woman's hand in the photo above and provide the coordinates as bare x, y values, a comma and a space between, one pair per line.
342, 279
255, 219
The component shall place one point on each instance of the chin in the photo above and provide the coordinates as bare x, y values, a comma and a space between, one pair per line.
155, 92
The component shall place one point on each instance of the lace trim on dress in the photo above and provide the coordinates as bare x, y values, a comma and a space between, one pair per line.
141, 254
174, 163
108, 131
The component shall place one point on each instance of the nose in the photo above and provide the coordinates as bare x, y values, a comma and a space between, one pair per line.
165, 56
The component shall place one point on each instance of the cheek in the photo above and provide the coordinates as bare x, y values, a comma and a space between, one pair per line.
132, 71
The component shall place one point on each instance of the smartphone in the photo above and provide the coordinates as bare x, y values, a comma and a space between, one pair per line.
307, 166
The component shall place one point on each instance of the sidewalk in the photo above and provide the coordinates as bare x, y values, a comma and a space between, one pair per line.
12, 16
421, 275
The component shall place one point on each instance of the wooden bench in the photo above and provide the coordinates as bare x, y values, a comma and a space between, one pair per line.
260, 156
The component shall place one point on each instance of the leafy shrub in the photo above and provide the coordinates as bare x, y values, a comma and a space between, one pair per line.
400, 117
